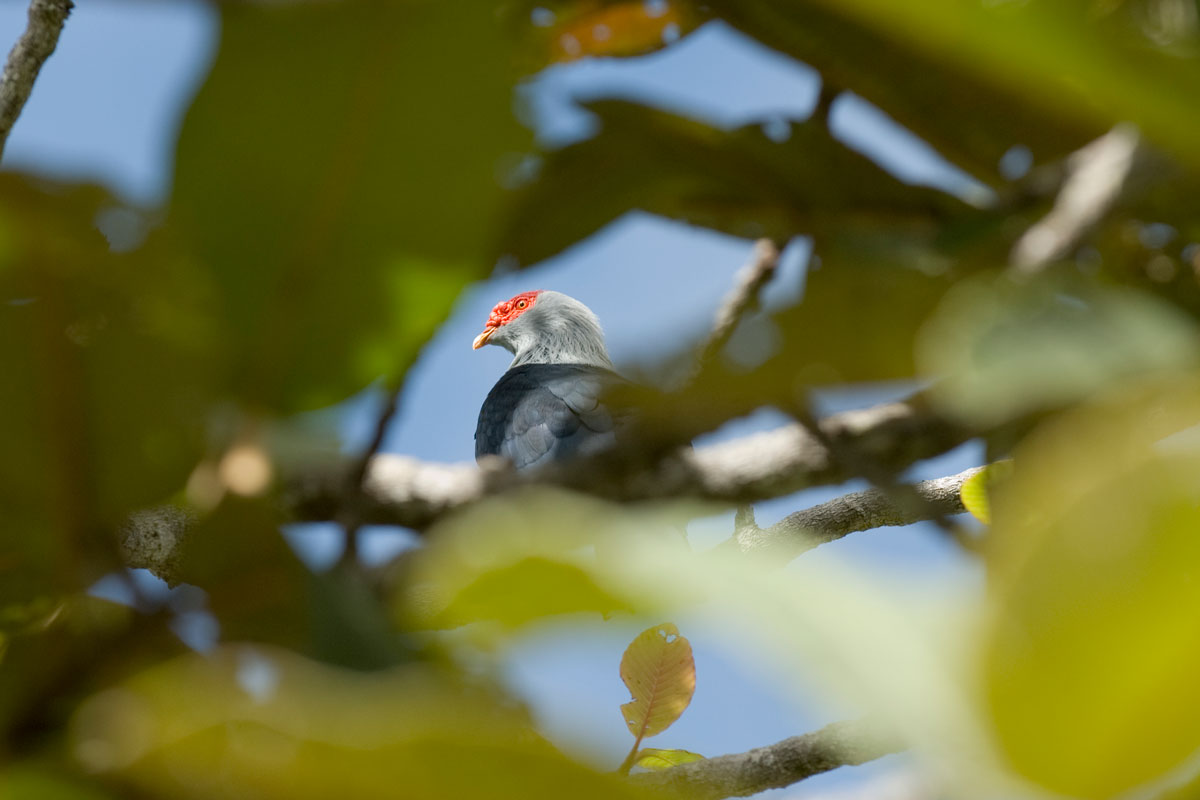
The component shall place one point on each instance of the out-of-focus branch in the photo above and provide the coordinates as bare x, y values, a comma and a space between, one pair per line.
742, 298
46, 18
781, 764
1097, 175
859, 511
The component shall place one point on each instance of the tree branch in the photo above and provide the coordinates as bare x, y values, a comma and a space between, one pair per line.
781, 764
403, 491
1097, 175
859, 511
46, 18
742, 298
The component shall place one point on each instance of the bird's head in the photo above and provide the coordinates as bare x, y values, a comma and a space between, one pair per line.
545, 327
504, 313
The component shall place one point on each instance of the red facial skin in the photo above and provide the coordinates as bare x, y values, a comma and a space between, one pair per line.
504, 313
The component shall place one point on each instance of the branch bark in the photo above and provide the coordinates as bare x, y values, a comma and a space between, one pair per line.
1097, 176
742, 298
781, 764
860, 511
46, 18
403, 491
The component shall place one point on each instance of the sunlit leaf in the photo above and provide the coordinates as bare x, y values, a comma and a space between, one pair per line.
896, 650
975, 489
654, 759
1094, 641
660, 673
538, 561
528, 590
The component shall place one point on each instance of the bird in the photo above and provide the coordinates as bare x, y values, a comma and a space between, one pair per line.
549, 406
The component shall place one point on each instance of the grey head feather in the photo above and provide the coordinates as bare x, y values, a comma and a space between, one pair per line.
557, 330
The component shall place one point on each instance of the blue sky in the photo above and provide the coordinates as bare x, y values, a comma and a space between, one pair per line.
107, 108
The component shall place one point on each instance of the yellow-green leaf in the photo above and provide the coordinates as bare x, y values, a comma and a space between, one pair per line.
655, 759
660, 672
1093, 645
264, 722
975, 489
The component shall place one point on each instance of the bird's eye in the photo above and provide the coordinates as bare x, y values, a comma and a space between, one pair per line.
521, 304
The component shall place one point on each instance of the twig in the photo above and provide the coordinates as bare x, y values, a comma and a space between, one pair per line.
351, 515
46, 18
859, 511
742, 298
1097, 175
781, 764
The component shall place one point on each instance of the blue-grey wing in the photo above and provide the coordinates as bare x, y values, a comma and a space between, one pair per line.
540, 413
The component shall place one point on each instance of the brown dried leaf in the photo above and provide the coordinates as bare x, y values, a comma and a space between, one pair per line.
660, 673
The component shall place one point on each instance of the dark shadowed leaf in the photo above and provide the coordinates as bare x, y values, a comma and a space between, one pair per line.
339, 174
970, 120
740, 182
107, 371
1074, 60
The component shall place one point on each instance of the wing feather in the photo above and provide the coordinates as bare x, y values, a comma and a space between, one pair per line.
539, 413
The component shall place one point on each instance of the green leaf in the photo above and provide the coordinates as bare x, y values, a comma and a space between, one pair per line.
281, 726
338, 175
976, 489
1003, 347
654, 759
740, 182
660, 673
109, 370
1070, 59
1093, 640
969, 119
531, 589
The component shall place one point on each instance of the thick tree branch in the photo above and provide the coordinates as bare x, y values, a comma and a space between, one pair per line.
403, 491
1097, 176
46, 18
781, 764
859, 511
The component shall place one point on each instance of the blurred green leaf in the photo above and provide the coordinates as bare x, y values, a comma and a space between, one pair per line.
1094, 641
654, 759
970, 120
740, 182
107, 375
264, 722
531, 589
33, 781
1001, 346
1074, 61
339, 174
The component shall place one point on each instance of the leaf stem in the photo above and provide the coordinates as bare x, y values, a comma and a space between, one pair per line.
628, 763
